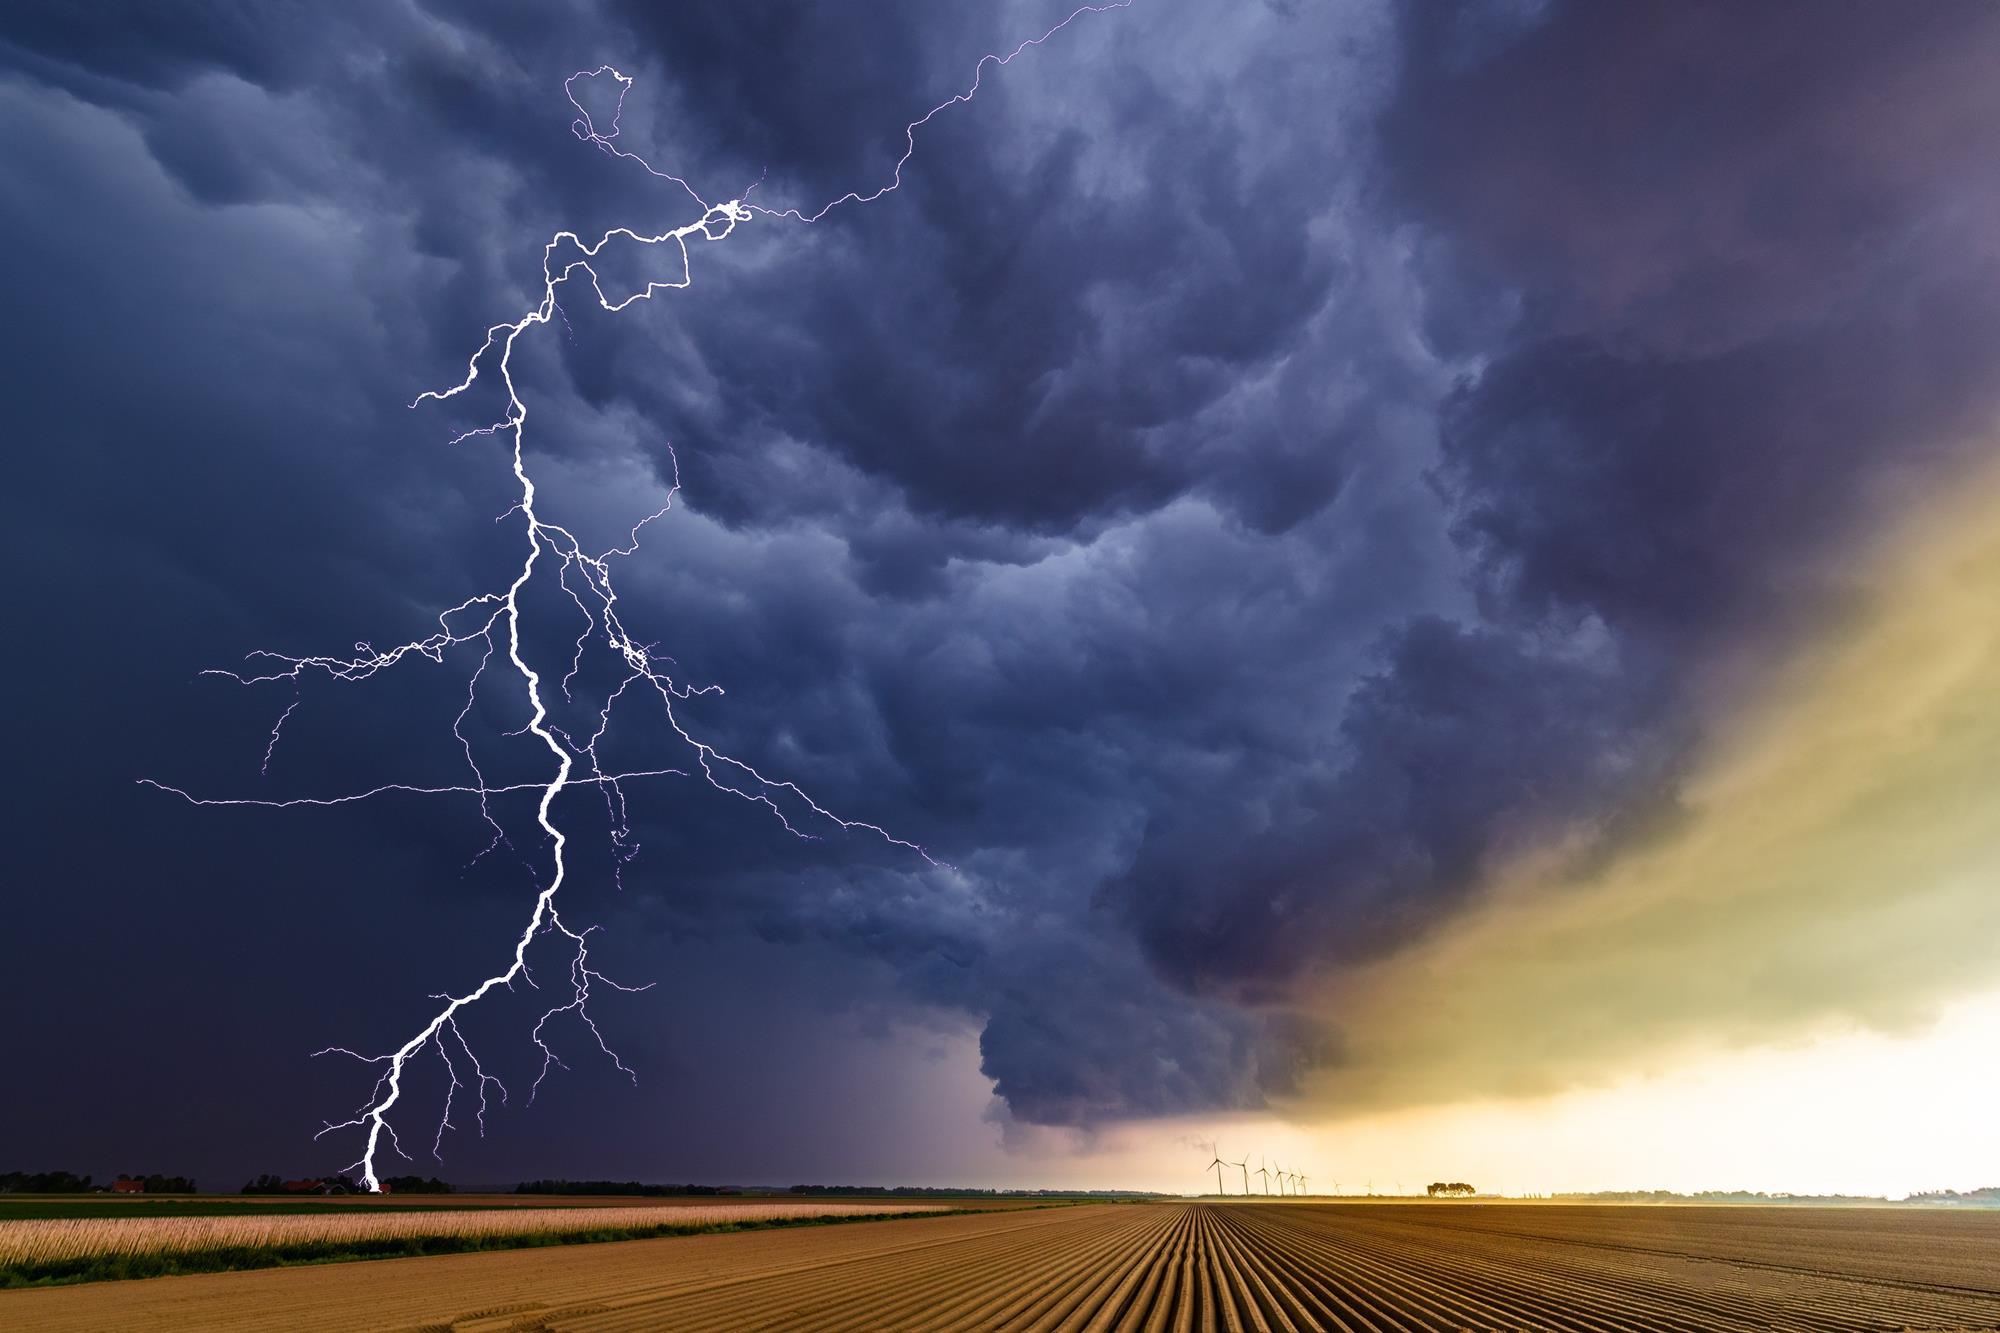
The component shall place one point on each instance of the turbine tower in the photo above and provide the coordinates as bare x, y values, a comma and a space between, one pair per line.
1218, 1164
1279, 1172
1265, 1174
1244, 1167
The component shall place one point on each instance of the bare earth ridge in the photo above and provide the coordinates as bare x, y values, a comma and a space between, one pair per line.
1145, 1266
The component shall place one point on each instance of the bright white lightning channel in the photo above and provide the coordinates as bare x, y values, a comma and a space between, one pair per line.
586, 579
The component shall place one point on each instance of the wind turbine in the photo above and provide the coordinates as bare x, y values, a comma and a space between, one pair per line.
1244, 1167
1218, 1164
1303, 1180
1279, 1172
1265, 1174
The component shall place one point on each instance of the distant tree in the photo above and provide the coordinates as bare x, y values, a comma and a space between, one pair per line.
43, 1182
417, 1185
613, 1187
1448, 1189
905, 1191
270, 1184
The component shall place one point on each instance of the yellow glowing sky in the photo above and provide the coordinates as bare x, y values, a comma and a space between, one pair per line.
1836, 877
1795, 986
1849, 1111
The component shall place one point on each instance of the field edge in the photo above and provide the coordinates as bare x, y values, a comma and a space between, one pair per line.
232, 1259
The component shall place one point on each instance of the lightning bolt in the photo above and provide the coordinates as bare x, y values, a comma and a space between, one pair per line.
585, 577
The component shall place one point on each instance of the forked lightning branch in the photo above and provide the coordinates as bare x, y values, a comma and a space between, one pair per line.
491, 624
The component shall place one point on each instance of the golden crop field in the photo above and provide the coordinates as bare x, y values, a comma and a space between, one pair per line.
44, 1240
1144, 1267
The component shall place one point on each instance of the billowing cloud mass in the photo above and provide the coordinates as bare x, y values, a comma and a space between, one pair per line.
1280, 489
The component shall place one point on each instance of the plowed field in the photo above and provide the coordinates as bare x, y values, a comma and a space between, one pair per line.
1194, 1266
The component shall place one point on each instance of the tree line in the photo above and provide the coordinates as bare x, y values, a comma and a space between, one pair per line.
614, 1187
68, 1182
270, 1184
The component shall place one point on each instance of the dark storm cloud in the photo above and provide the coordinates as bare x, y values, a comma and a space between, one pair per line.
1757, 290
1756, 296
1244, 482
1463, 745
1691, 178
1028, 336
1734, 304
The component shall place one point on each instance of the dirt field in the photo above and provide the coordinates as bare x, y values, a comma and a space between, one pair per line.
1158, 1266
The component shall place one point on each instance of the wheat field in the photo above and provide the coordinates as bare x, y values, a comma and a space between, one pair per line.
49, 1240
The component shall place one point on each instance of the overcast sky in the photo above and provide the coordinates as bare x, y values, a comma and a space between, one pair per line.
1395, 556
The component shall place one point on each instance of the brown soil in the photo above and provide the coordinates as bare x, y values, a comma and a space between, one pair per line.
1153, 1267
